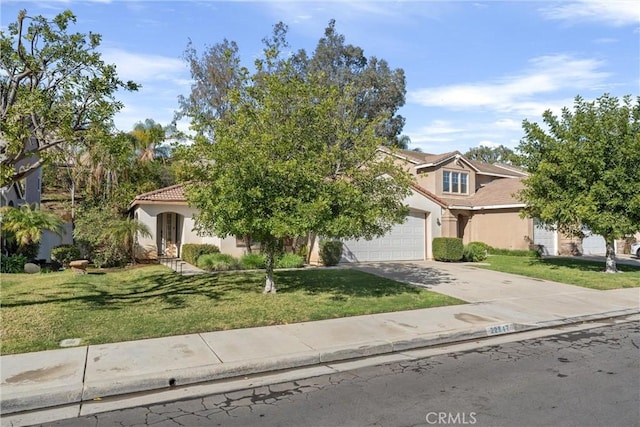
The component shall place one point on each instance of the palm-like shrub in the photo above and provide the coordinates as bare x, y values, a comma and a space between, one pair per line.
24, 225
124, 233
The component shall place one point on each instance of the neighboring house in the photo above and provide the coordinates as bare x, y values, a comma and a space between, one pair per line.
479, 198
452, 197
29, 191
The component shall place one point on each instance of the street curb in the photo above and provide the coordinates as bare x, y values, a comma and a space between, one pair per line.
166, 380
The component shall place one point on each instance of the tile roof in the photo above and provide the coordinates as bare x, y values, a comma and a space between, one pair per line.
500, 192
174, 193
495, 169
423, 158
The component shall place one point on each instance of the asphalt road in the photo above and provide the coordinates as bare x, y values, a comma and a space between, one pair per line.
584, 378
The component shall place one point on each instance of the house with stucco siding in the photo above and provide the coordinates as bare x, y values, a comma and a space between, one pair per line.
452, 196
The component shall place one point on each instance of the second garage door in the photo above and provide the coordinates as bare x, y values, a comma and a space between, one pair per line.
405, 242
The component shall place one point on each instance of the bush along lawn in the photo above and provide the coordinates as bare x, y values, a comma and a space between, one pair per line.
573, 271
40, 310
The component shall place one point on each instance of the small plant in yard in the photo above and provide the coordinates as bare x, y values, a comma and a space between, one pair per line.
217, 262
64, 254
12, 264
253, 262
330, 252
192, 251
290, 261
474, 252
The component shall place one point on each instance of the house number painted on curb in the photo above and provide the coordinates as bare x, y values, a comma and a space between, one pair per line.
500, 329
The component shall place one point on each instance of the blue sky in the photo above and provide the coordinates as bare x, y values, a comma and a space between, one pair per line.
474, 69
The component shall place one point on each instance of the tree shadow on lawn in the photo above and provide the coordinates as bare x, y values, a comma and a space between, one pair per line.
166, 288
580, 264
413, 274
362, 281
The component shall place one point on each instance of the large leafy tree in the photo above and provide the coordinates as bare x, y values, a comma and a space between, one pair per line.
584, 169
376, 87
55, 90
214, 74
294, 156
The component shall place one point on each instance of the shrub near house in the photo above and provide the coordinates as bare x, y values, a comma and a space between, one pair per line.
447, 249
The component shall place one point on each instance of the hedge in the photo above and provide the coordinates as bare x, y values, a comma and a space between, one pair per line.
330, 252
252, 262
192, 251
64, 254
290, 261
447, 249
514, 252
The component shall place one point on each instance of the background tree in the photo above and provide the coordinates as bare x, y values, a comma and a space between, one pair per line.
377, 88
54, 89
214, 75
147, 137
294, 156
499, 154
584, 169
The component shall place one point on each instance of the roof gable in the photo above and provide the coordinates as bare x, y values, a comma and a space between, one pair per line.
500, 193
172, 194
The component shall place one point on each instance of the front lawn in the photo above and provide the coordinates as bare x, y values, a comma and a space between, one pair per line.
574, 271
38, 311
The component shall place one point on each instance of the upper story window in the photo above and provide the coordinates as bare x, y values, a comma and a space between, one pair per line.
455, 182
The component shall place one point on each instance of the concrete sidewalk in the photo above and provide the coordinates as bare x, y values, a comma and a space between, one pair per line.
498, 303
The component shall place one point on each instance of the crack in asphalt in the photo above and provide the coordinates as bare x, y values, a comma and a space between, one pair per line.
566, 348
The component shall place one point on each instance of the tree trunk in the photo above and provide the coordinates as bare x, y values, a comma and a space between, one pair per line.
247, 242
611, 257
312, 242
270, 249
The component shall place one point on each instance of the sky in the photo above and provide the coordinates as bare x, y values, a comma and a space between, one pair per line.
474, 69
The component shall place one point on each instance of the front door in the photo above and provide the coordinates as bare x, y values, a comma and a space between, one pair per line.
169, 234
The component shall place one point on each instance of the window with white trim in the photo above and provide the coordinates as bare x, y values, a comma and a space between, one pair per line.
455, 182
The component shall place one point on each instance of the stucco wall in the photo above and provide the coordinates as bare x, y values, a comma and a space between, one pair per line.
433, 226
453, 166
500, 228
148, 247
148, 214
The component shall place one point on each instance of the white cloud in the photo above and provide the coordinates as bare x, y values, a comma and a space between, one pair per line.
507, 124
519, 93
437, 131
162, 78
614, 12
142, 67
490, 144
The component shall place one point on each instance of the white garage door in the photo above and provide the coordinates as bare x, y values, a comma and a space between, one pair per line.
405, 242
547, 239
594, 245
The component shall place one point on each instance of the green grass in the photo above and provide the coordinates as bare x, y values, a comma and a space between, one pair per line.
573, 271
38, 311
